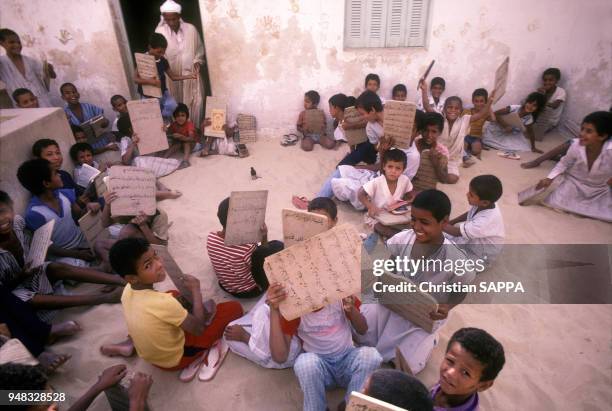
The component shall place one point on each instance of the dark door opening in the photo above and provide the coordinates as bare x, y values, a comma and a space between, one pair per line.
141, 17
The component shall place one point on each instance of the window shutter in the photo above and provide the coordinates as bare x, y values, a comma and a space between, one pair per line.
418, 13
355, 23
376, 23
397, 23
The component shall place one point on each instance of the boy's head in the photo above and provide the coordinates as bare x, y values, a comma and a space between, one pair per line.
534, 103
437, 87
394, 163
38, 176
181, 113
119, 103
472, 361
433, 124
596, 128
399, 92
453, 106
399, 389
69, 93
20, 377
429, 213
124, 125
369, 104
24, 98
10, 41
6, 213
135, 260
222, 211
479, 98
484, 191
550, 78
82, 153
311, 99
324, 206
157, 45
337, 104
372, 82
49, 150
78, 133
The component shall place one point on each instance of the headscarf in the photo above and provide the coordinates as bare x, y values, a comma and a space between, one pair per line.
170, 6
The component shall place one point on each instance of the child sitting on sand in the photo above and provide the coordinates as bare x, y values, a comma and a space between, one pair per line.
434, 97
312, 123
388, 331
119, 105
555, 100
471, 364
182, 133
239, 268
390, 187
82, 153
40, 286
249, 336
370, 107
472, 143
330, 358
398, 388
49, 150
585, 171
433, 159
509, 139
480, 231
399, 92
163, 332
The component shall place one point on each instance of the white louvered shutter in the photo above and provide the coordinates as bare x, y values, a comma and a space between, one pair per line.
418, 13
397, 23
376, 27
355, 23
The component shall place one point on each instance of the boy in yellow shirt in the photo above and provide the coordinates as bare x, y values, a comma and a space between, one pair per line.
161, 330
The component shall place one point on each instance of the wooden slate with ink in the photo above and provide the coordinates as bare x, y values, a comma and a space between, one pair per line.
356, 135
501, 79
147, 68
135, 188
389, 219
91, 226
425, 177
41, 241
301, 225
362, 402
148, 124
245, 217
216, 110
318, 271
314, 121
399, 119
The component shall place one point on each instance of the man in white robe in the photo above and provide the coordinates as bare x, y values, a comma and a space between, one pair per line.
185, 53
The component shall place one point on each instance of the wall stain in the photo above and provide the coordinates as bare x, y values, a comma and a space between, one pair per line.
269, 25
439, 30
64, 36
211, 5
295, 6
41, 28
466, 28
233, 11
27, 40
533, 26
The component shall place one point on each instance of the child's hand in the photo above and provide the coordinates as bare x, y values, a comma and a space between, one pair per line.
85, 254
442, 312
610, 181
109, 197
135, 139
348, 303
385, 143
140, 220
492, 96
206, 122
276, 295
93, 207
111, 376
545, 182
155, 82
139, 389
112, 147
508, 129
191, 282
263, 230
373, 211
423, 84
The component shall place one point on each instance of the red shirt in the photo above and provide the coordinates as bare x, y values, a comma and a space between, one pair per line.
187, 129
232, 263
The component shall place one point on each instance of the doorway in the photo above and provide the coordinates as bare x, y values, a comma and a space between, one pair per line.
141, 17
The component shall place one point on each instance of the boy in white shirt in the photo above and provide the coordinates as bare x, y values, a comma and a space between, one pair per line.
436, 101
480, 231
555, 99
390, 187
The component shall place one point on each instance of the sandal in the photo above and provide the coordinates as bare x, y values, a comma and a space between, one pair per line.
214, 359
189, 373
509, 154
300, 202
289, 139
184, 164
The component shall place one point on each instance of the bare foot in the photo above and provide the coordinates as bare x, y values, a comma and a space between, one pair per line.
50, 361
237, 333
124, 349
139, 390
536, 150
64, 329
108, 288
530, 164
173, 194
113, 297
210, 309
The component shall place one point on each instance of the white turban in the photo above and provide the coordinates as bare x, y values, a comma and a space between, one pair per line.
170, 6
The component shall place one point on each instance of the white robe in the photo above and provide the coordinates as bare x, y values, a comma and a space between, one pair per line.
33, 79
453, 140
185, 48
583, 191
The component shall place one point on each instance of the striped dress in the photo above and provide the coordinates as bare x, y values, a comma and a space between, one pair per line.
37, 283
232, 264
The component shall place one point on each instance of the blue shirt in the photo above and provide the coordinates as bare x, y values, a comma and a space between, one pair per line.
89, 111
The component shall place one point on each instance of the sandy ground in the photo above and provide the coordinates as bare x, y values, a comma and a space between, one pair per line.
558, 356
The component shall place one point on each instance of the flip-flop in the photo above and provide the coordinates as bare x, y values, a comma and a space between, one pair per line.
300, 202
215, 357
192, 369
